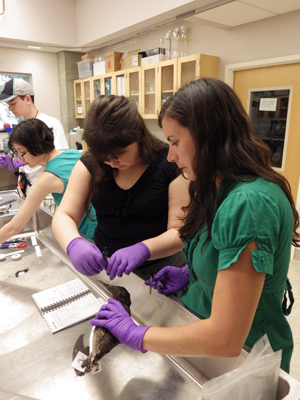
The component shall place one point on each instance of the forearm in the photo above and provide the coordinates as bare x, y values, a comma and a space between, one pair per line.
64, 228
164, 245
9, 230
197, 339
71, 210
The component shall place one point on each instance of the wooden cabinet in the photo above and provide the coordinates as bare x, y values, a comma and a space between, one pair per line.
119, 78
167, 80
197, 66
103, 84
97, 87
149, 86
82, 96
159, 81
149, 98
133, 85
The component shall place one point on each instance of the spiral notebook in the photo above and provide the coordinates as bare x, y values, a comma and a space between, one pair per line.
67, 304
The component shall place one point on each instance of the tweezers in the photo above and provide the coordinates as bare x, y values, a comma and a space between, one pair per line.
105, 254
150, 286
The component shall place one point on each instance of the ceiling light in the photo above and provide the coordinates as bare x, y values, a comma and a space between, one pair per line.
34, 47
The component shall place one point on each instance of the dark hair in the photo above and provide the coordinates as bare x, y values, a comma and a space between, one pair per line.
34, 135
24, 97
111, 124
224, 143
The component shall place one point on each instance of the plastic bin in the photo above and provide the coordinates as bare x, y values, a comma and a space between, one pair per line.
85, 68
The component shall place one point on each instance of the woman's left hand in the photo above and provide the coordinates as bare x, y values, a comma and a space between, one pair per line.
116, 319
125, 260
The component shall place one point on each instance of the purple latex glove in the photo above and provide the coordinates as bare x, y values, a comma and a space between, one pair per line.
170, 279
125, 260
12, 163
116, 319
86, 257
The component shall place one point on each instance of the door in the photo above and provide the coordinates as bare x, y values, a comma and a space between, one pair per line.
270, 77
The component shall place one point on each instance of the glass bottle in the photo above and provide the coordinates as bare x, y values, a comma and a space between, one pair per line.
162, 50
168, 45
176, 44
183, 40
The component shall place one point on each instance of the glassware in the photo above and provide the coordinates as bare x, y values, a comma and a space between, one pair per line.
175, 44
168, 45
183, 40
162, 50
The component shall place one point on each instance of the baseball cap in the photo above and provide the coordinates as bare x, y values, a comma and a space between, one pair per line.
15, 87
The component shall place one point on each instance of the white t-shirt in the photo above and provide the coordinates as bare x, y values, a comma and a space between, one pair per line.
60, 143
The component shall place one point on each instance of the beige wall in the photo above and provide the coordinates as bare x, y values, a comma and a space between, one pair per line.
43, 68
272, 37
52, 21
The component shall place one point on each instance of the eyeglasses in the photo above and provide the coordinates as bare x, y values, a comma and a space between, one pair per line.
21, 156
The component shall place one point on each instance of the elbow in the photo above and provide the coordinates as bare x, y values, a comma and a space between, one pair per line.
233, 351
231, 348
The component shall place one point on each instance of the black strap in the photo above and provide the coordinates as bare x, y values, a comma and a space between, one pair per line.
23, 182
287, 310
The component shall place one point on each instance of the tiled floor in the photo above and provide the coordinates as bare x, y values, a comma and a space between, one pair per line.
294, 317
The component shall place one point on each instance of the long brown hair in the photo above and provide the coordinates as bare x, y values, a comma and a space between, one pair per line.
224, 143
111, 124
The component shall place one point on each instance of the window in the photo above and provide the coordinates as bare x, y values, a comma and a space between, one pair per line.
270, 113
5, 114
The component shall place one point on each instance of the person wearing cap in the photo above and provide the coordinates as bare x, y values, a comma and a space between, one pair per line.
19, 96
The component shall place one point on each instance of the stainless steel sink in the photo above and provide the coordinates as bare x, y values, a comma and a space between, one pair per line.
37, 364
5, 217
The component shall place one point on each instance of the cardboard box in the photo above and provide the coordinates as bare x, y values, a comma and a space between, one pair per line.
99, 68
113, 61
153, 52
87, 55
133, 59
151, 59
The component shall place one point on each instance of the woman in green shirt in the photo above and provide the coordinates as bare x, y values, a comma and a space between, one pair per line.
238, 231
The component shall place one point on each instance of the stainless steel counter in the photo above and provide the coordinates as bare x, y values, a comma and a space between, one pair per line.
36, 364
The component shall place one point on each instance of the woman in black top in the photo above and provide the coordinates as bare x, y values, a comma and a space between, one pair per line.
136, 192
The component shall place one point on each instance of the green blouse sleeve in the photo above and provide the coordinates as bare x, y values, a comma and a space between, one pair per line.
244, 217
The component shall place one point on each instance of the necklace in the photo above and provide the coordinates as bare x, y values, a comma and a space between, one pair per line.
37, 111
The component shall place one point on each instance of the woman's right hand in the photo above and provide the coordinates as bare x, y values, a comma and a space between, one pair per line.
86, 257
170, 279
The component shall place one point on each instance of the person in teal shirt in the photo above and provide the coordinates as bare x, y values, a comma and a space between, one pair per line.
237, 232
33, 143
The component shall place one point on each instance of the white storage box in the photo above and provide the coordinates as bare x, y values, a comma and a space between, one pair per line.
150, 60
85, 68
99, 68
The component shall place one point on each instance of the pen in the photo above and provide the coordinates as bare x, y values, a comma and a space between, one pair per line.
16, 240
12, 245
7, 202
